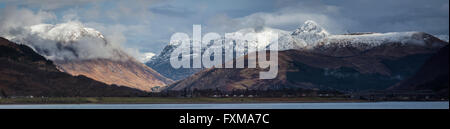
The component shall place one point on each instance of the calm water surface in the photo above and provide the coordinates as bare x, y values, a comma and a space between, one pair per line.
371, 105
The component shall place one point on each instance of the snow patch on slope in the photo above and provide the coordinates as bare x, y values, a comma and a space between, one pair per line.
376, 39
443, 37
310, 35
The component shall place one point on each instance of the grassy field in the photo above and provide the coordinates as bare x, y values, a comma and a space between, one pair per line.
156, 100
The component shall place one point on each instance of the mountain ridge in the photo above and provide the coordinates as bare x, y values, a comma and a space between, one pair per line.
312, 37
351, 64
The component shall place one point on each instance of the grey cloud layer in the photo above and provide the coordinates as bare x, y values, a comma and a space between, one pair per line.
148, 25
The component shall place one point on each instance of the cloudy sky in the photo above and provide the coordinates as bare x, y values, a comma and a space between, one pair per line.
148, 25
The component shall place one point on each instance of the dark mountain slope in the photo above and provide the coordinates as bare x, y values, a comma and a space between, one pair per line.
433, 75
25, 73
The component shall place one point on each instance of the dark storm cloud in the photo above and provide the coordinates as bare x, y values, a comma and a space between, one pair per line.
396, 15
341, 16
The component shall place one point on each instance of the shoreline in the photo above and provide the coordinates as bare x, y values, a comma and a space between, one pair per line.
168, 100
174, 100
202, 103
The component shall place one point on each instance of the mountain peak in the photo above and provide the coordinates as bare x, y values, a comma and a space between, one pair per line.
310, 27
309, 33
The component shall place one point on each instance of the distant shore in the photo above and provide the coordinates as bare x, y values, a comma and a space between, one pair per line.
167, 100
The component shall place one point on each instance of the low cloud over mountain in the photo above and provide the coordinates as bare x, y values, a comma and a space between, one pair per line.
80, 50
67, 40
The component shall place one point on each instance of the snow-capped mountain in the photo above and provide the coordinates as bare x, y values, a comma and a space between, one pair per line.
68, 41
309, 33
164, 56
308, 37
161, 63
66, 32
79, 50
312, 58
